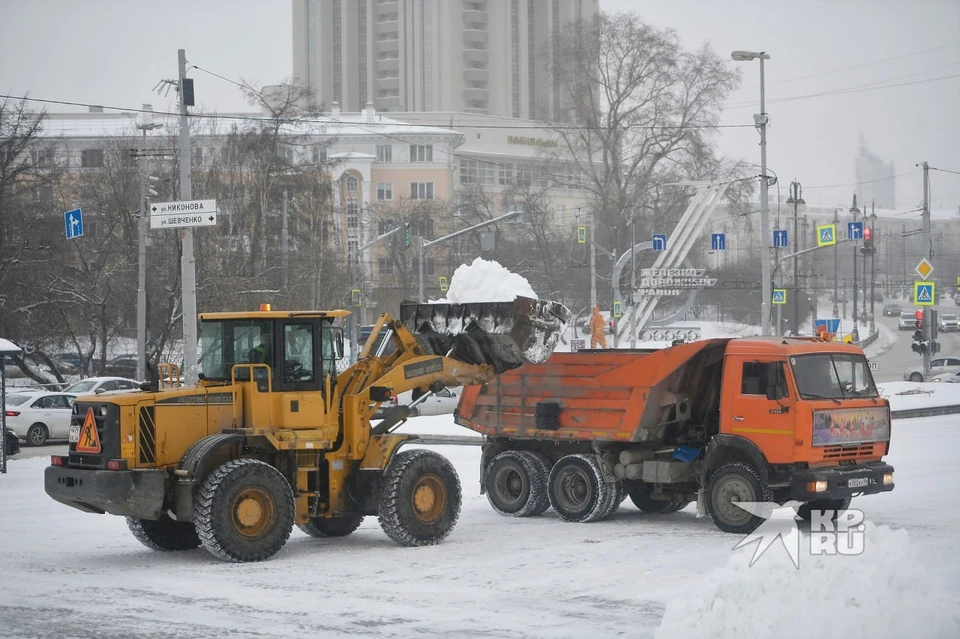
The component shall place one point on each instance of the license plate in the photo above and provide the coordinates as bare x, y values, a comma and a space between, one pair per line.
859, 482
74, 433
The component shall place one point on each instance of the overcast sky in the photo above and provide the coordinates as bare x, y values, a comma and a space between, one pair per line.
113, 52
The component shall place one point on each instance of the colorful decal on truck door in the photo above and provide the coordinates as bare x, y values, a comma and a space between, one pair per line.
850, 426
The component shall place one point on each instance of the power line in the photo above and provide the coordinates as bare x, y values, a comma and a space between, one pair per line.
944, 170
834, 186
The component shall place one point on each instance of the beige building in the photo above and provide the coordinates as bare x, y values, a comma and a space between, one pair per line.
479, 56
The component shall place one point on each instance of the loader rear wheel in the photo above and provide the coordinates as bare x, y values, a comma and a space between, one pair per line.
164, 534
514, 485
578, 491
732, 484
542, 464
332, 527
805, 511
420, 498
244, 511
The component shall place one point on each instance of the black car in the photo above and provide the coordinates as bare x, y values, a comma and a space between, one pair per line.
123, 366
892, 310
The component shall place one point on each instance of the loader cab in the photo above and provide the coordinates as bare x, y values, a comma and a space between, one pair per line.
300, 349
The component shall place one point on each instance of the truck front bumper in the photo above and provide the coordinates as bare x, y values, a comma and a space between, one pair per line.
131, 493
841, 481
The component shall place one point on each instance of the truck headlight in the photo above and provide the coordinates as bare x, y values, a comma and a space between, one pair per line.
817, 486
888, 479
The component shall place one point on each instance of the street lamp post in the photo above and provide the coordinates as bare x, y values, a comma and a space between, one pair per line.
760, 120
855, 212
873, 266
142, 258
836, 265
796, 198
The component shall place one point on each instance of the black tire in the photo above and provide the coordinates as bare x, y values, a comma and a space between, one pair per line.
804, 511
619, 494
731, 483
577, 490
37, 435
513, 484
332, 527
164, 534
640, 496
542, 464
420, 498
244, 511
677, 506
916, 377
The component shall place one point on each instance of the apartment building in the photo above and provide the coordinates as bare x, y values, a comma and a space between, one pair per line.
475, 56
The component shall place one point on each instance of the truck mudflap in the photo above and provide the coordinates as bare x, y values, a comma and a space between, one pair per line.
501, 334
131, 493
842, 481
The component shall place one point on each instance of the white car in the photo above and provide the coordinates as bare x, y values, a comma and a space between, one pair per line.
948, 323
443, 402
97, 385
949, 378
38, 416
938, 367
908, 321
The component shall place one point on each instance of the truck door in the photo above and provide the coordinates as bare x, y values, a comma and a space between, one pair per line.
748, 412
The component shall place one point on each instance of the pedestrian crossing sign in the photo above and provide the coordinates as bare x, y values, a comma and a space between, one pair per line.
779, 296
826, 235
924, 293
443, 283
617, 309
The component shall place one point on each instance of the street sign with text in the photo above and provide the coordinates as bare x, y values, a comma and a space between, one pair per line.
168, 215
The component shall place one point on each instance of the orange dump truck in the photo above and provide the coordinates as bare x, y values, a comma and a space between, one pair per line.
727, 421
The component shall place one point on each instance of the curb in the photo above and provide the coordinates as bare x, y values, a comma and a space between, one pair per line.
933, 411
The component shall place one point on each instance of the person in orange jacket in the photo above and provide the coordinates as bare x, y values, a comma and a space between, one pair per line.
597, 326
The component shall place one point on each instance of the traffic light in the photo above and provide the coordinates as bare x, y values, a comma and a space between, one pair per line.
919, 316
934, 324
406, 235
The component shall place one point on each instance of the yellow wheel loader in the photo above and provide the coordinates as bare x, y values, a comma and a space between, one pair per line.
272, 436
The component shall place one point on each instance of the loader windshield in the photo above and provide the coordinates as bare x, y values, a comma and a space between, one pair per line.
832, 376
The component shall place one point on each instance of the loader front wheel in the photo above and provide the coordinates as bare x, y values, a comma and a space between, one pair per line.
420, 498
332, 527
164, 534
244, 511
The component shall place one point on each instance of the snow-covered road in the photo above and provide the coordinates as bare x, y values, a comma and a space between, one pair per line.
71, 574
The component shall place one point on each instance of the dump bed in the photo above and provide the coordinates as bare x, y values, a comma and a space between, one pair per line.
609, 395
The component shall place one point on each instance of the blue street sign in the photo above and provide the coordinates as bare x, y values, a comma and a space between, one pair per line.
779, 238
718, 242
659, 241
73, 223
779, 296
854, 230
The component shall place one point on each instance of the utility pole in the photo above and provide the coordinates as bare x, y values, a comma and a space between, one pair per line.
188, 265
796, 197
873, 266
144, 126
593, 263
284, 245
927, 314
855, 334
633, 281
836, 265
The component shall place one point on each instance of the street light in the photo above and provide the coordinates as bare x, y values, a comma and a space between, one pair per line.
836, 264
854, 211
873, 258
142, 257
760, 120
796, 198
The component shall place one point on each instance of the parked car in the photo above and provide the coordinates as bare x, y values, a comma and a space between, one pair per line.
72, 364
95, 385
443, 402
892, 310
123, 366
39, 416
948, 323
907, 321
938, 367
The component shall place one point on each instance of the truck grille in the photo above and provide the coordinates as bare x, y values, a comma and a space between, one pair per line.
848, 452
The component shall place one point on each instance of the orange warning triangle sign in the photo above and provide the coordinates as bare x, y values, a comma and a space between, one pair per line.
89, 439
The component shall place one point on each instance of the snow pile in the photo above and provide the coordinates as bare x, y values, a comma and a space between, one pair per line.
910, 395
885, 592
485, 281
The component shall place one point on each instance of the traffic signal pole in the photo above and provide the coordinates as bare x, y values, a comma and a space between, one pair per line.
927, 311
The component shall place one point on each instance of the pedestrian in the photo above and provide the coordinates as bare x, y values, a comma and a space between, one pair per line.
597, 328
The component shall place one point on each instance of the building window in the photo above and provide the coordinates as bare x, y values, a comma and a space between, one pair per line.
41, 158
428, 266
421, 153
421, 190
337, 52
505, 174
286, 154
318, 153
91, 158
422, 227
353, 213
384, 153
353, 184
384, 190
385, 266
476, 172
353, 250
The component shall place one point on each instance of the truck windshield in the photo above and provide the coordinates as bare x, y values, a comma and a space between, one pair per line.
225, 343
832, 376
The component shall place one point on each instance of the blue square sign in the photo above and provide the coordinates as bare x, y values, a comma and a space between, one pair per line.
73, 223
659, 241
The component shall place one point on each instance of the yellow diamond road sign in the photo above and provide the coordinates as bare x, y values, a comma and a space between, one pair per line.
924, 268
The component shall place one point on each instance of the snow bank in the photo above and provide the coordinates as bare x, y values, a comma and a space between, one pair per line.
485, 281
885, 592
926, 395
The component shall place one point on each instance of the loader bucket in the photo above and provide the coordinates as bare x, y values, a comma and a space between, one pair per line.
501, 334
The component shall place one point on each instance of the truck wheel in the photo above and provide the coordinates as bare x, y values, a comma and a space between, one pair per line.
164, 534
542, 464
619, 494
836, 505
420, 498
640, 496
730, 484
244, 511
37, 435
332, 527
514, 485
577, 490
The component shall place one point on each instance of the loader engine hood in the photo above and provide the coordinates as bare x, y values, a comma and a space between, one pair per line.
501, 334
